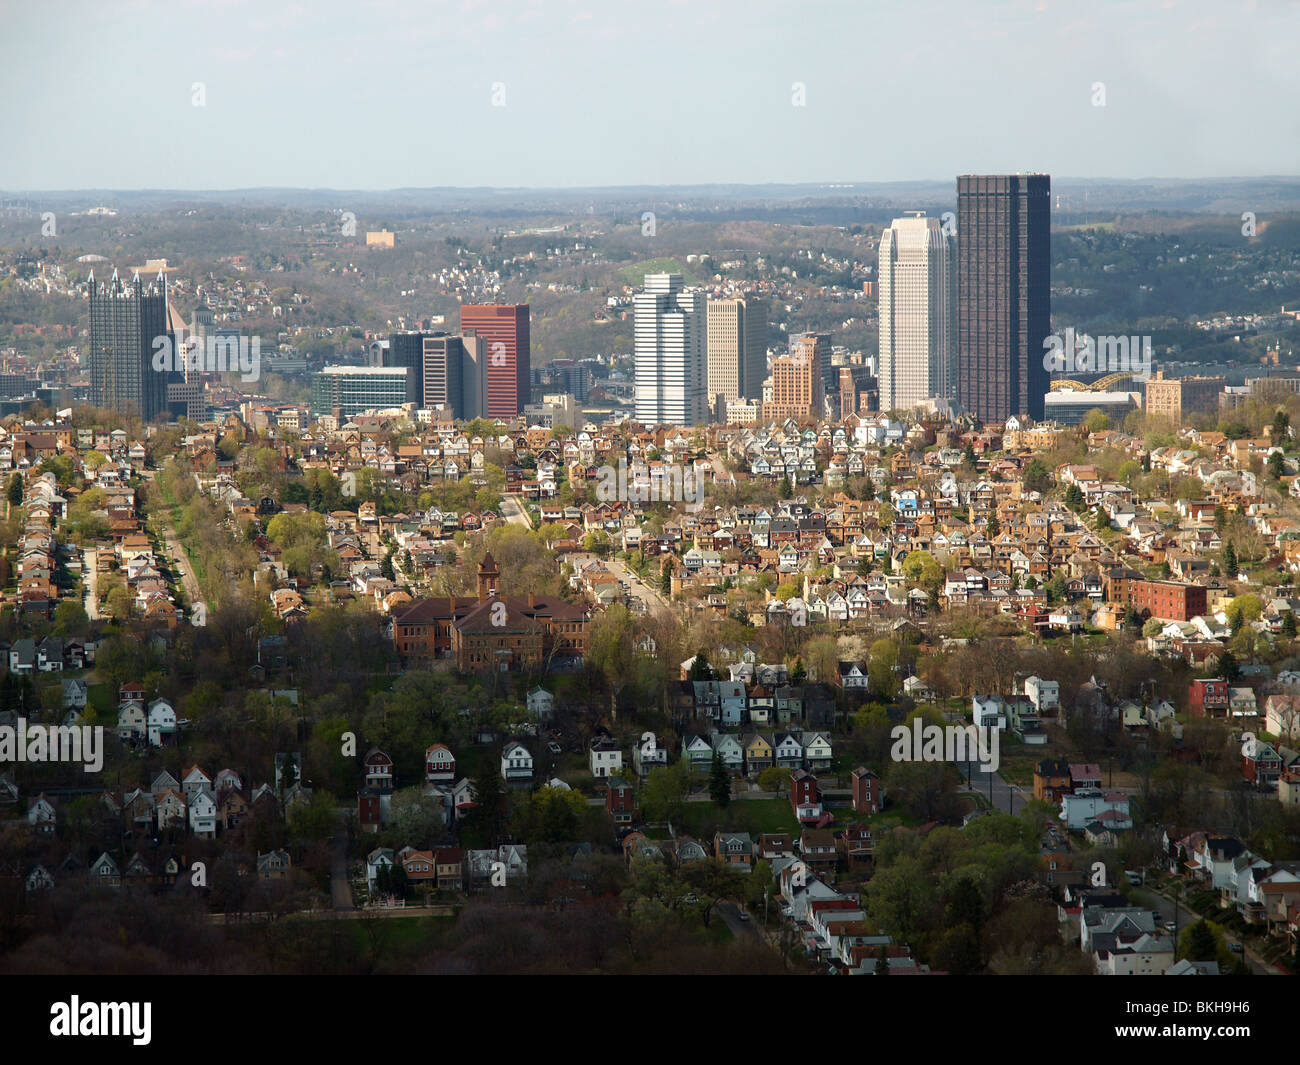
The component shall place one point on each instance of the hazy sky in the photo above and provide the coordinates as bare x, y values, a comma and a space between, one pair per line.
100, 94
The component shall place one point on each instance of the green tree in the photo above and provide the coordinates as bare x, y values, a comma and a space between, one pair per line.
16, 490
719, 781
664, 795
1228, 561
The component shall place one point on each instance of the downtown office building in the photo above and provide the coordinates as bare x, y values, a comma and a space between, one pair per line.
669, 347
1004, 274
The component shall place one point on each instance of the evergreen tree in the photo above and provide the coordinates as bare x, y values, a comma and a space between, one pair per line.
994, 526
1288, 625
666, 581
719, 781
1229, 557
16, 490
798, 675
1201, 944
882, 962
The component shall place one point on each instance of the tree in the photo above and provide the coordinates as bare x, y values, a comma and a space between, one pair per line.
994, 527
1276, 465
700, 668
882, 962
1228, 560
798, 675
16, 490
665, 792
773, 778
1037, 477
719, 781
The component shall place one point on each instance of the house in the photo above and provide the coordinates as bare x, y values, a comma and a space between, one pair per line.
758, 753
1261, 764
377, 860
161, 722
541, 703
1080, 809
697, 753
1208, 698
818, 850
379, 770
730, 750
439, 764
203, 815
734, 848
788, 751
853, 677
1052, 780
604, 758
805, 797
74, 694
989, 711
648, 755
620, 803
516, 764
817, 751
274, 865
868, 792
104, 872
1085, 776
41, 815
1045, 695
194, 781
449, 869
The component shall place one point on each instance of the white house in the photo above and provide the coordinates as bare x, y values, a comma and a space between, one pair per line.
605, 758
516, 764
161, 722
1044, 694
989, 711
541, 703
203, 815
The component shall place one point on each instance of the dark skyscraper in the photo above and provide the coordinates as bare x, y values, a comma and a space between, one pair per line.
124, 321
407, 349
1004, 272
504, 329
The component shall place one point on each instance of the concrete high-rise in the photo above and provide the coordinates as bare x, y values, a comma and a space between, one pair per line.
797, 389
442, 359
918, 312
125, 320
737, 347
504, 327
1004, 275
669, 344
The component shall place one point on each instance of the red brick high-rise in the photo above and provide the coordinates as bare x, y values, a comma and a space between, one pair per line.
504, 329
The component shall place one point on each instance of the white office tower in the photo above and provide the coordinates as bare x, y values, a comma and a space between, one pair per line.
737, 347
918, 312
669, 348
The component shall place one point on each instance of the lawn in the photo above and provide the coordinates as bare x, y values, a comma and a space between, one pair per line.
755, 816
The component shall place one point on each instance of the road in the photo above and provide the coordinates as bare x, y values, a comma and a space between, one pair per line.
514, 512
1148, 897
649, 597
340, 888
1003, 797
90, 573
176, 560
730, 914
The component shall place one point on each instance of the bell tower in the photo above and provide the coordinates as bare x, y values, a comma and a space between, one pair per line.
488, 576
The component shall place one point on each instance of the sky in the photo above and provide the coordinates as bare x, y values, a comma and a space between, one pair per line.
228, 94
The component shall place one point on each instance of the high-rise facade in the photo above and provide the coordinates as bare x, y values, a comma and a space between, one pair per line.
407, 349
797, 389
442, 359
504, 328
737, 347
1004, 273
125, 320
918, 312
669, 344
355, 389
